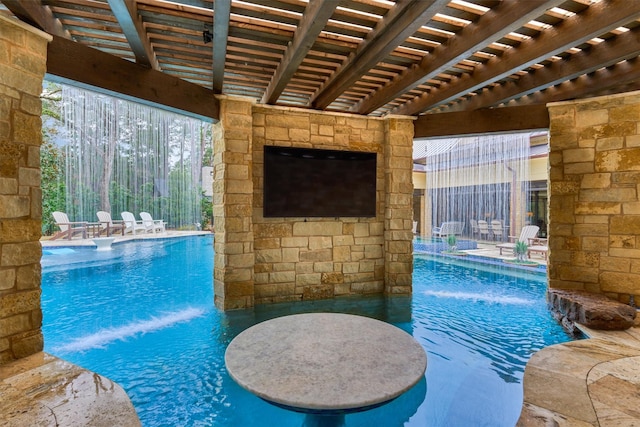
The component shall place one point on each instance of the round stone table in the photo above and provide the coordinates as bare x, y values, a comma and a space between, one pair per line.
325, 364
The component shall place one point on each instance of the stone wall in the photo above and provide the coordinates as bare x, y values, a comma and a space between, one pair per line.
594, 186
22, 66
265, 260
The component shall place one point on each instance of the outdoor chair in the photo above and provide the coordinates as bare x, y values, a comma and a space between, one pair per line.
448, 228
474, 228
497, 230
130, 223
107, 225
527, 234
483, 228
68, 228
151, 224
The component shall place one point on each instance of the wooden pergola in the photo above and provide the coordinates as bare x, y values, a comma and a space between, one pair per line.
460, 66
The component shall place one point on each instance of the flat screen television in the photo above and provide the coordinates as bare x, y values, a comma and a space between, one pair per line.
305, 182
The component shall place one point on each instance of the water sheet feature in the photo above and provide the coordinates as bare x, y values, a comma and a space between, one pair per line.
124, 156
477, 178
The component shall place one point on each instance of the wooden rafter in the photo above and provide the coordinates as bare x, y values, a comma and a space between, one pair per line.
221, 17
402, 21
126, 12
599, 18
34, 13
312, 22
508, 16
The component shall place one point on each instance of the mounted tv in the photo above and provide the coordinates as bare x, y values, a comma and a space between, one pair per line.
305, 182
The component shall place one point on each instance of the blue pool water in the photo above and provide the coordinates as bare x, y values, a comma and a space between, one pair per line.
142, 315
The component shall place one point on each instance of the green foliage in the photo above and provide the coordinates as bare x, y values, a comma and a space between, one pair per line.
52, 184
521, 247
452, 240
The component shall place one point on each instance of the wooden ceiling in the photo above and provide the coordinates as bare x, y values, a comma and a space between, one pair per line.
374, 57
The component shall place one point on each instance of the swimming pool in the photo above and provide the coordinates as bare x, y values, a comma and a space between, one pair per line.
142, 315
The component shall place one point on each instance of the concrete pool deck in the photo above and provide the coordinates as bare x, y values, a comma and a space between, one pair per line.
592, 382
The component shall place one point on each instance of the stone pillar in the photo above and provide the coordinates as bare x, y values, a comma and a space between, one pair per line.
594, 196
398, 221
234, 260
23, 52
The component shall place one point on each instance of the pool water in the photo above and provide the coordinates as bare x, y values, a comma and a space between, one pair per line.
142, 315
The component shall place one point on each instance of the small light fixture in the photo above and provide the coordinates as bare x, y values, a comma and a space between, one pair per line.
207, 37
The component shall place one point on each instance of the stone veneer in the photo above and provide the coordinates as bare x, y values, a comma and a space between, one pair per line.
594, 194
264, 260
23, 52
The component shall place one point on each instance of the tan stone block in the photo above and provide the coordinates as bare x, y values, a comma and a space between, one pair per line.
28, 344
238, 275
270, 229
323, 267
582, 274
14, 206
316, 256
376, 229
284, 266
282, 277
320, 242
20, 302
308, 279
625, 224
295, 242
626, 283
624, 253
622, 241
608, 195
361, 230
612, 143
342, 254
317, 292
564, 140
260, 278
350, 267
290, 255
620, 265
367, 287
304, 267
632, 141
625, 113
587, 259
17, 254
367, 266
578, 155
15, 324
240, 261
631, 208
332, 278
317, 228
321, 140
300, 135
596, 180
373, 251
346, 240
598, 208
267, 243
268, 256
8, 186
7, 278
376, 240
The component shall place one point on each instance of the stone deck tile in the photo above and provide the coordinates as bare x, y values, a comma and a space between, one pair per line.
42, 390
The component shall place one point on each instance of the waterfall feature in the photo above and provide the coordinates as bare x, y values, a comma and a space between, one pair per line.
124, 156
478, 178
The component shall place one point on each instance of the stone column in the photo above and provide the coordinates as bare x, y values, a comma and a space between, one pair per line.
234, 260
398, 222
23, 52
594, 196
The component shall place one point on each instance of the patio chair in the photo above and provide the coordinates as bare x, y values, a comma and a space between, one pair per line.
474, 228
151, 224
68, 228
107, 225
130, 223
497, 230
483, 228
527, 233
448, 228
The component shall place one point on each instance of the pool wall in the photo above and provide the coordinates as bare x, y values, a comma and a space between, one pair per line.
265, 260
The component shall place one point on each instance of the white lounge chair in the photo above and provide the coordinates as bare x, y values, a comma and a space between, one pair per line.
68, 228
483, 228
131, 224
527, 233
497, 230
448, 228
107, 225
151, 224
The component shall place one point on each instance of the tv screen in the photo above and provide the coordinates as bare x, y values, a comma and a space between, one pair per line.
305, 182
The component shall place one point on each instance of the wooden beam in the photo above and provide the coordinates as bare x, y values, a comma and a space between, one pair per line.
126, 12
71, 62
598, 19
311, 24
622, 47
34, 13
506, 17
221, 18
401, 22
508, 119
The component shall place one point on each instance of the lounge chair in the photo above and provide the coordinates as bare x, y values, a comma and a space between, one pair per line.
527, 233
474, 228
68, 228
497, 230
538, 246
131, 224
483, 228
151, 224
107, 225
448, 228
